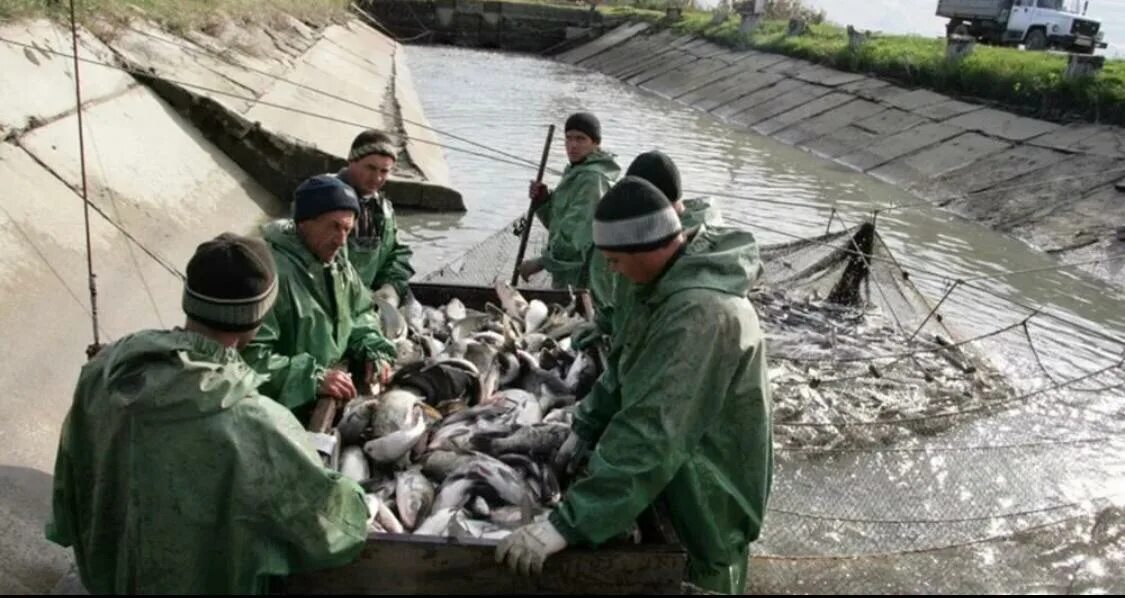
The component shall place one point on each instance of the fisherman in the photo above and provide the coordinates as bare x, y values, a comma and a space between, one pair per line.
382, 261
568, 211
690, 421
174, 475
609, 288
324, 312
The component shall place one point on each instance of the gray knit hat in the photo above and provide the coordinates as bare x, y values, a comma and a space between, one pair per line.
231, 283
634, 216
372, 141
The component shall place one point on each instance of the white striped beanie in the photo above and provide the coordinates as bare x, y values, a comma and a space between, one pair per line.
634, 216
231, 283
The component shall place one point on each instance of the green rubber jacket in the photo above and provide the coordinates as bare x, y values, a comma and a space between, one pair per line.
569, 218
373, 245
312, 327
686, 414
174, 476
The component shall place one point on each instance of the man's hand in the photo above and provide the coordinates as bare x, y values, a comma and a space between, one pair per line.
530, 268
538, 193
527, 548
571, 454
337, 385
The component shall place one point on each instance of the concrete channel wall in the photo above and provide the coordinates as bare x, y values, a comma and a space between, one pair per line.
163, 176
1048, 184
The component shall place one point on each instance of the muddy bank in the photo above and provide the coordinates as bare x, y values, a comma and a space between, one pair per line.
1051, 185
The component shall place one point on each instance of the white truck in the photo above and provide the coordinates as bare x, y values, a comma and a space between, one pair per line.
1037, 24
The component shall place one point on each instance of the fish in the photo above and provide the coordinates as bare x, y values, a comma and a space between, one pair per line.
581, 375
394, 410
528, 409
394, 325
535, 376
437, 523
535, 316
394, 446
414, 495
383, 515
386, 295
353, 464
454, 492
455, 310
511, 300
355, 422
479, 506
413, 313
439, 464
540, 441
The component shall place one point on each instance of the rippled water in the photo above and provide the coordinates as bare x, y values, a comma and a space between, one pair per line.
506, 101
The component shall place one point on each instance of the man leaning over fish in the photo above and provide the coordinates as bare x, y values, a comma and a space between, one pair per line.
688, 416
324, 312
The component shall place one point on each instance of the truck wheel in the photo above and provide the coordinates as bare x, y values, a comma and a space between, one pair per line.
1036, 40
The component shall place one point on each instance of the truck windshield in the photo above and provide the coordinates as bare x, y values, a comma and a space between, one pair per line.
1071, 6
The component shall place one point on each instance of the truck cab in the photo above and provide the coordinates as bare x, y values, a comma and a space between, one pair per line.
1037, 24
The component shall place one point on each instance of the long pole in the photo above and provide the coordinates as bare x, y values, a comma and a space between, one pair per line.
94, 348
531, 207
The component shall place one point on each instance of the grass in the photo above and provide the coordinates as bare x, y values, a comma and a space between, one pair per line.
177, 15
1032, 82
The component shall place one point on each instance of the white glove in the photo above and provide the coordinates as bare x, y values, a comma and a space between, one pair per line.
529, 546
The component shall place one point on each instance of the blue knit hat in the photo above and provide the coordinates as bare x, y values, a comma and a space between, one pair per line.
323, 193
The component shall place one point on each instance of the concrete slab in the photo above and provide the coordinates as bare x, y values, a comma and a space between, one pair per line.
603, 43
915, 99
800, 96
333, 63
677, 82
739, 87
705, 85
895, 146
840, 141
875, 92
709, 50
1102, 140
818, 126
684, 59
803, 113
940, 159
825, 76
760, 61
1003, 168
1083, 229
786, 66
864, 84
762, 95
655, 59
946, 110
1039, 192
637, 48
890, 121
1003, 124
39, 85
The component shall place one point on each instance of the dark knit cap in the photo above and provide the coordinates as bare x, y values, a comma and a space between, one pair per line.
371, 142
657, 168
634, 216
231, 283
586, 123
323, 193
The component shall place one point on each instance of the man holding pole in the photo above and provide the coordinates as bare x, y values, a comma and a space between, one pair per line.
568, 211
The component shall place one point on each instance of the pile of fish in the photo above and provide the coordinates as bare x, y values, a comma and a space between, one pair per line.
829, 370
463, 441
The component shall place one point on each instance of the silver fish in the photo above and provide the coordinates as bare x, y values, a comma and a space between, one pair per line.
394, 411
540, 441
582, 374
383, 515
440, 464
455, 310
535, 316
413, 313
535, 376
454, 492
511, 300
355, 422
437, 523
414, 495
394, 446
353, 464
479, 506
386, 295
394, 326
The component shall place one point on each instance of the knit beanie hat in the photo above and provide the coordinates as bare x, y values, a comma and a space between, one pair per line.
587, 123
371, 142
634, 216
323, 193
231, 283
657, 168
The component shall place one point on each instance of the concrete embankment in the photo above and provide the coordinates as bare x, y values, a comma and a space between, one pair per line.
168, 166
1051, 185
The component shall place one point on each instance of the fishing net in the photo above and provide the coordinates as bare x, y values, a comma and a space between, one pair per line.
913, 454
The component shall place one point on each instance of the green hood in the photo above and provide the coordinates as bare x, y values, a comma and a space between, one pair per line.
599, 161
724, 260
176, 374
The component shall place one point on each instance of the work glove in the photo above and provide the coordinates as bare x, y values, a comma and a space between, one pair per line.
527, 548
585, 335
571, 454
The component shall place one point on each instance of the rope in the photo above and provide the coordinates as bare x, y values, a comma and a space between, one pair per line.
944, 449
